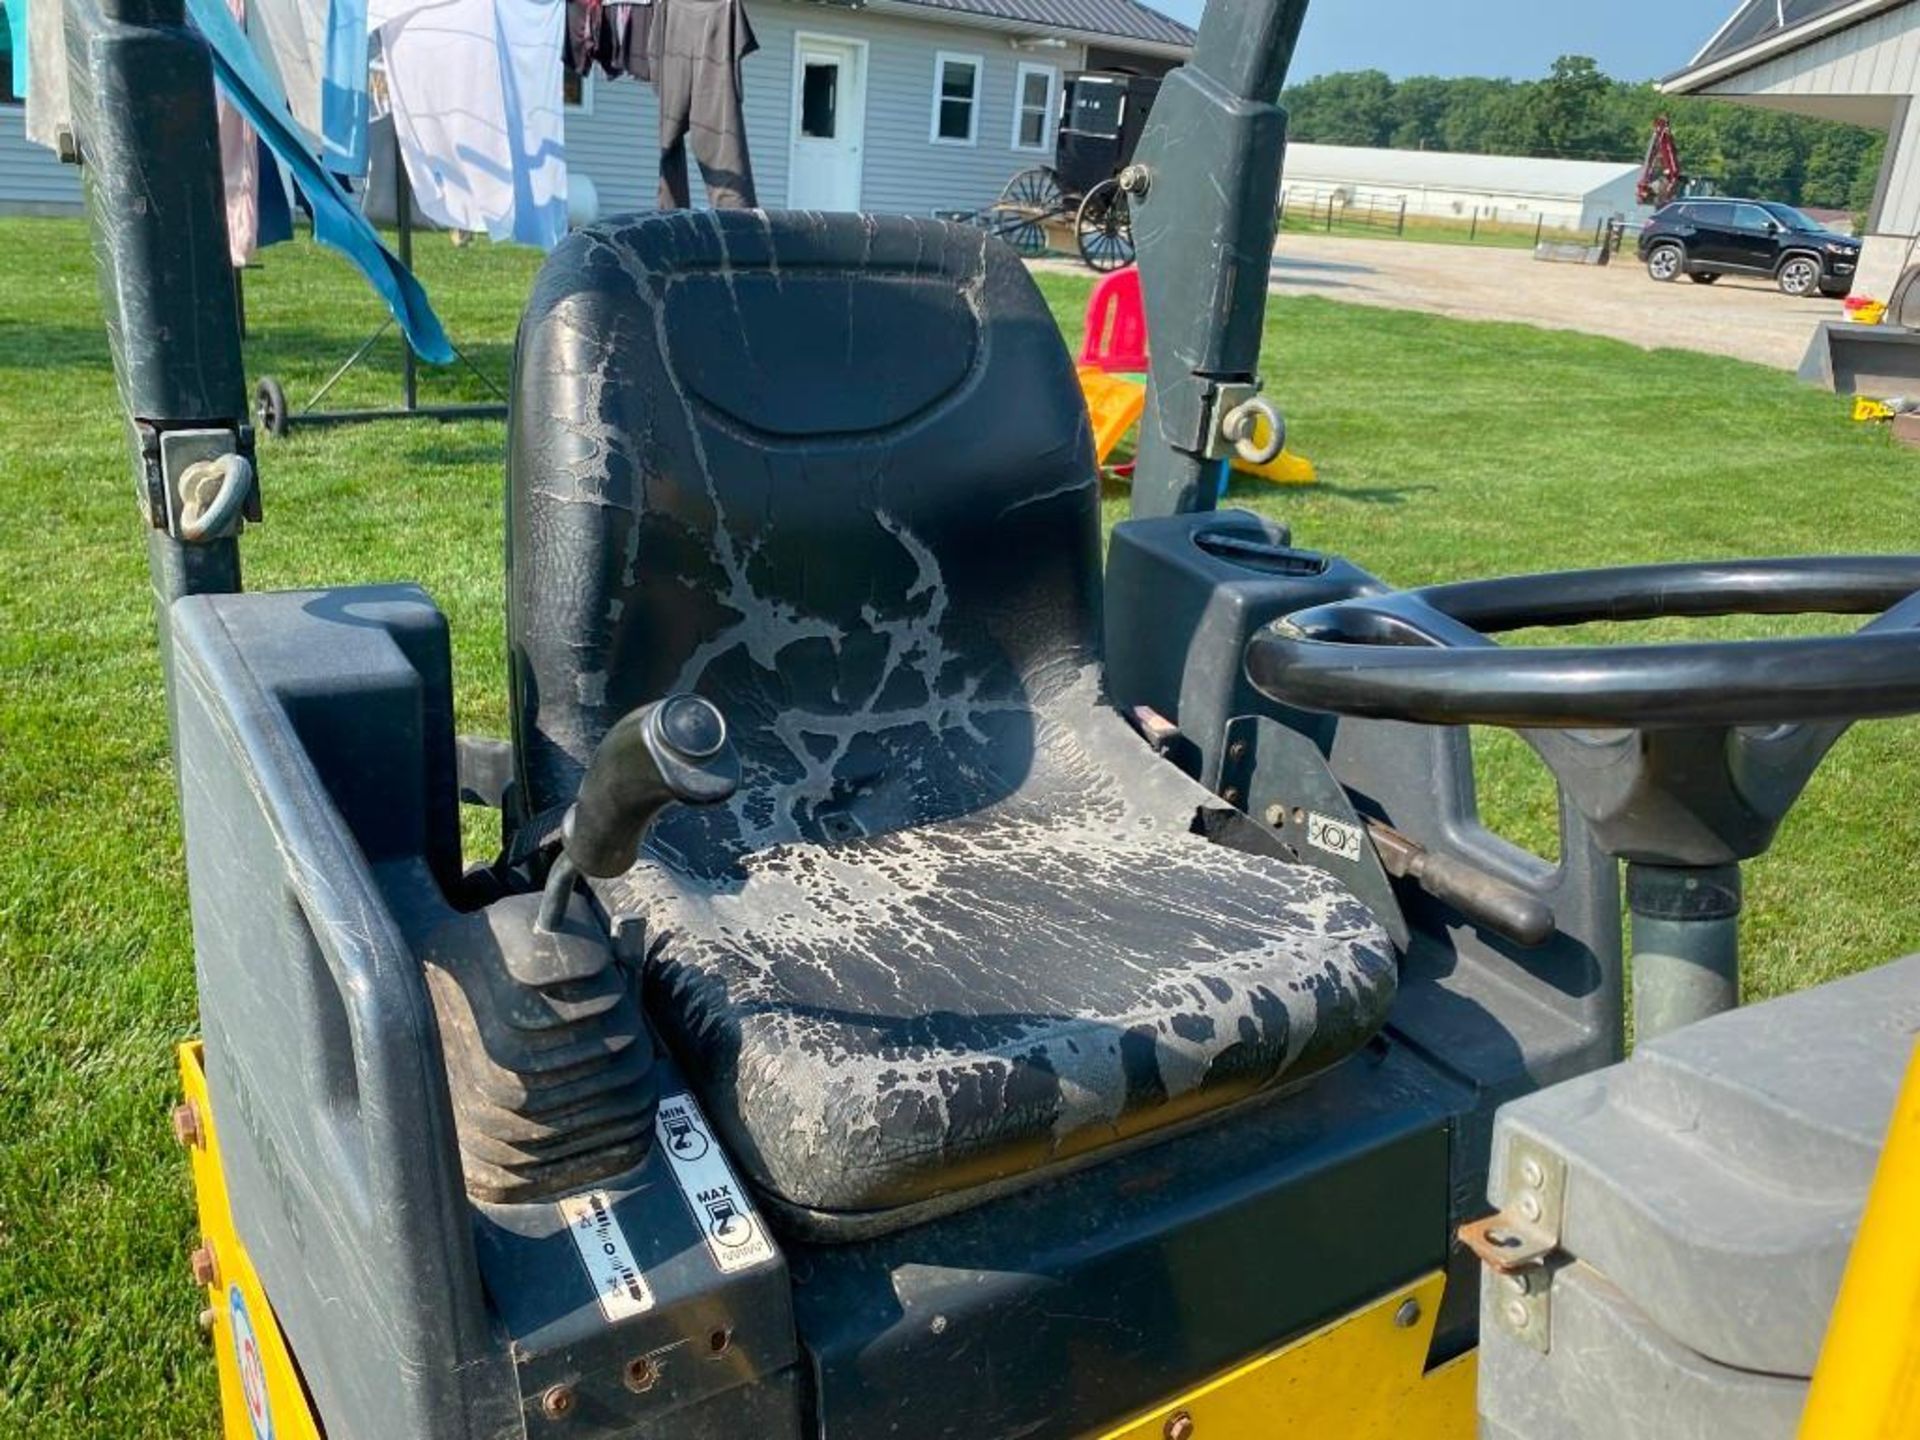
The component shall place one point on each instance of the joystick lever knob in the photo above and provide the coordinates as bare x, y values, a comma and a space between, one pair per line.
673, 750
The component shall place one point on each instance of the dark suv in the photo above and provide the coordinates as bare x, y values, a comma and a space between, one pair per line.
1705, 239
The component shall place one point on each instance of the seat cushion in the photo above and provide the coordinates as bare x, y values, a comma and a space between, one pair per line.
898, 1018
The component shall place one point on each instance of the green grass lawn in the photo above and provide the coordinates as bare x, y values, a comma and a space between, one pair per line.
1447, 449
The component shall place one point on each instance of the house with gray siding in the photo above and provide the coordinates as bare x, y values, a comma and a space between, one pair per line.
887, 106
1851, 60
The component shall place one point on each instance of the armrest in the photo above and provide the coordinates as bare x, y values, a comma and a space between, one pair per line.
318, 793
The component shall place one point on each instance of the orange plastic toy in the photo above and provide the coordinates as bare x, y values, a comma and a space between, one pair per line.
1114, 405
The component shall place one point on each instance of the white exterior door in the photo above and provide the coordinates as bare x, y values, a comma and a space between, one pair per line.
829, 123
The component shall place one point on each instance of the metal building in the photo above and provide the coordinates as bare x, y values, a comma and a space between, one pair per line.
1503, 189
1851, 60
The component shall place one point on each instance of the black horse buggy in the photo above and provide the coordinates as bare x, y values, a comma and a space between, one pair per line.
1101, 122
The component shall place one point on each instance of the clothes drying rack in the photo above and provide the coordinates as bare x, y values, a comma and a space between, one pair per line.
275, 417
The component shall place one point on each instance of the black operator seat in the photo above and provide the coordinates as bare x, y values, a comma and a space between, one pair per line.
834, 473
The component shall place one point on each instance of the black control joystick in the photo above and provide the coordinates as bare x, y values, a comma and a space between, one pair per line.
674, 750
549, 1061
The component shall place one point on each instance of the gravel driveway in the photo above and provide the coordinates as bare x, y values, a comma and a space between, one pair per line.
1747, 319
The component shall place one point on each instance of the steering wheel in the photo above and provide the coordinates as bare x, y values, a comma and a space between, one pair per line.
1424, 655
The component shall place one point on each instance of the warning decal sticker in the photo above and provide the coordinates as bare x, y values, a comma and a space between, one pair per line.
617, 1281
733, 1232
1336, 837
253, 1370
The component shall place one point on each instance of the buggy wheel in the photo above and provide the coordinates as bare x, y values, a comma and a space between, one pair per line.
1031, 199
1104, 227
270, 407
1025, 232
1036, 192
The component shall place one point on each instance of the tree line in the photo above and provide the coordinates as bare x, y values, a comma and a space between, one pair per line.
1579, 113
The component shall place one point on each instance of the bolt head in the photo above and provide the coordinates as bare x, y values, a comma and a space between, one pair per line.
557, 1403
1179, 1426
1532, 1174
641, 1375
186, 1125
1517, 1314
1530, 1206
206, 1272
1276, 816
1408, 1315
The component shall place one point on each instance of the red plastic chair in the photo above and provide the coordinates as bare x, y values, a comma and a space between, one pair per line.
1116, 325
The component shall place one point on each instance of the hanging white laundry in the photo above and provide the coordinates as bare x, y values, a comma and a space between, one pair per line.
290, 36
48, 108
475, 91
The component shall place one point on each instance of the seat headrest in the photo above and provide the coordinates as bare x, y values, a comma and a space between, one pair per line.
817, 465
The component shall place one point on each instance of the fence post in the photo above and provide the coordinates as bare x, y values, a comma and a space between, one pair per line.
1539, 229
1329, 214
1400, 228
1473, 230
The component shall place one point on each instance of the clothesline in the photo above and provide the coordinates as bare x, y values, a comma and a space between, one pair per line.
475, 93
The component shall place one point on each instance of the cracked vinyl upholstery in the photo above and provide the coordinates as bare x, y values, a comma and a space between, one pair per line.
834, 473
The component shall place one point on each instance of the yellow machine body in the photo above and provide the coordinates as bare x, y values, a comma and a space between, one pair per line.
1364, 1377
1867, 1386
261, 1397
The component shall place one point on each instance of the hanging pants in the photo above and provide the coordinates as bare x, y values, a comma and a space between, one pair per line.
697, 47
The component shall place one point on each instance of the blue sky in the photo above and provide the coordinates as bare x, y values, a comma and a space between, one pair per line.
1632, 39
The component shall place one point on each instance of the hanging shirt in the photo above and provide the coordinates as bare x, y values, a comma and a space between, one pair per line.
291, 37
239, 167
49, 110
476, 93
629, 44
343, 89
585, 20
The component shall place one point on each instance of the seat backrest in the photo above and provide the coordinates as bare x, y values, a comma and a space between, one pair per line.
1116, 338
832, 472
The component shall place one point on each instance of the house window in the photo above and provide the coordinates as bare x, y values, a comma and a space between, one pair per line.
820, 99
956, 99
1035, 99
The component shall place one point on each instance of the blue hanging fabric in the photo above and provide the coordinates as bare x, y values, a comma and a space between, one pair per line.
343, 89
336, 221
275, 225
17, 33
